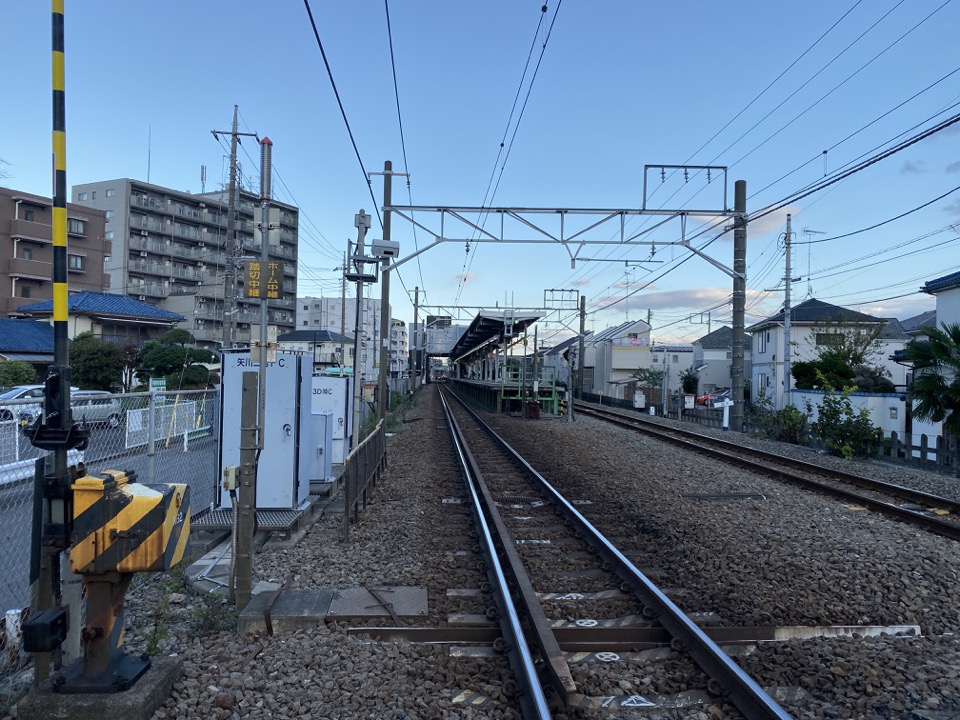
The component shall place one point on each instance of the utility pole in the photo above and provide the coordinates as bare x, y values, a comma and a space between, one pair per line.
787, 282
414, 338
362, 222
343, 315
739, 299
581, 349
383, 403
230, 272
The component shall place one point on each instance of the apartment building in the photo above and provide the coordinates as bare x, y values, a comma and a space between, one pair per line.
333, 314
26, 249
171, 251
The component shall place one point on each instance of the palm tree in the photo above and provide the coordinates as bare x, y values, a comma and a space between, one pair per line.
936, 376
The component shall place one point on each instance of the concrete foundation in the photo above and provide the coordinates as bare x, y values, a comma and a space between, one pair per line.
138, 703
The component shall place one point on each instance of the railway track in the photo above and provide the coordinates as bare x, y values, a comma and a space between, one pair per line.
935, 514
560, 586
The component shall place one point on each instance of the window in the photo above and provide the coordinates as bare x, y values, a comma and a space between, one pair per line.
25, 291
829, 339
762, 342
26, 253
676, 359
109, 214
304, 322
316, 322
111, 192
75, 262
108, 235
28, 215
306, 307
93, 195
82, 196
77, 227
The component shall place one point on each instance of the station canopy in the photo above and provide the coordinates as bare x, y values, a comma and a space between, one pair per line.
489, 327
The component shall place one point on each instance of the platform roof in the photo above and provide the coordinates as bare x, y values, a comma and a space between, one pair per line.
487, 327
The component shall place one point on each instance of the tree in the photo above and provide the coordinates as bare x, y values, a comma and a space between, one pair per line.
131, 354
17, 372
846, 357
648, 378
177, 363
936, 376
95, 365
689, 381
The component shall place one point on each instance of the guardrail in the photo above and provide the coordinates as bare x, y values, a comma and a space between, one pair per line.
361, 473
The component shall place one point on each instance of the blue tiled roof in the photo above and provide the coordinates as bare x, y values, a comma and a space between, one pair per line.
942, 283
91, 303
25, 336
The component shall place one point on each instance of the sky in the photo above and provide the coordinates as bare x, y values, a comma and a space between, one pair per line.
520, 104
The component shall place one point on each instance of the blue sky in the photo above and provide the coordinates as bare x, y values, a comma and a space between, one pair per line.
763, 88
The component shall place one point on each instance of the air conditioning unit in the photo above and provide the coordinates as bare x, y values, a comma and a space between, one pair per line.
203, 245
172, 279
199, 284
143, 253
144, 233
201, 266
203, 204
142, 297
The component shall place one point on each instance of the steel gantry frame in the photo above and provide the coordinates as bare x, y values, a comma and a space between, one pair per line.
577, 240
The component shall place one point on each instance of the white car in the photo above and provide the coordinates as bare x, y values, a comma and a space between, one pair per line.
25, 402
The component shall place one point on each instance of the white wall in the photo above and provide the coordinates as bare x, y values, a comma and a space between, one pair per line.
888, 411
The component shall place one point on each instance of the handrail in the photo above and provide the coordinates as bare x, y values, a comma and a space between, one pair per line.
361, 473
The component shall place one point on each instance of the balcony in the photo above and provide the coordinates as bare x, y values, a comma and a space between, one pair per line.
153, 268
32, 231
34, 269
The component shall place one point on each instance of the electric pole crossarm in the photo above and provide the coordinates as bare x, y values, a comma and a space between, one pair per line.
716, 263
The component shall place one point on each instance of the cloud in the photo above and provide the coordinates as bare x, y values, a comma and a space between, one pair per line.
580, 282
912, 168
696, 298
953, 208
465, 277
772, 223
953, 167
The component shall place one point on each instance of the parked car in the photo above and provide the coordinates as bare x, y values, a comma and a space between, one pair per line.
712, 398
96, 406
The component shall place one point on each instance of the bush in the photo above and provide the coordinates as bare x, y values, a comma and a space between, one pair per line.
843, 430
788, 425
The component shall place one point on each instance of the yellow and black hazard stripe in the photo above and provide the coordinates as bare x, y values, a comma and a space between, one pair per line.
122, 526
59, 191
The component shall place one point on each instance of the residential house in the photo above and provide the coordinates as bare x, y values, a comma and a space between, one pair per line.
111, 318
713, 354
807, 321
561, 357
29, 341
613, 355
674, 360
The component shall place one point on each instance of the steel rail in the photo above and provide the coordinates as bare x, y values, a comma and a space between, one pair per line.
726, 677
930, 523
533, 702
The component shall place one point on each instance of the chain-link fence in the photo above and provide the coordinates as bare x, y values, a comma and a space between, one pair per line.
165, 437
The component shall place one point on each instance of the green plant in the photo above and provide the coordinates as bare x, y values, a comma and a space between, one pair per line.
210, 615
17, 372
844, 431
786, 425
160, 627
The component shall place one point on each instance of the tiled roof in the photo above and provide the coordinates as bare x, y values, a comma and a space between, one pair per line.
914, 324
26, 336
91, 303
719, 339
942, 283
812, 311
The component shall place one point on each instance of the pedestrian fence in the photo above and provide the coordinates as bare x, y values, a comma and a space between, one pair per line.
361, 473
162, 437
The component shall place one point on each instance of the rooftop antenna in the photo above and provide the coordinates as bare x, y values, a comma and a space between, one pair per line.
808, 232
203, 178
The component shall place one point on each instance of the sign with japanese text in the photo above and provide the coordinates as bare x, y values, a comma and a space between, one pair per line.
261, 281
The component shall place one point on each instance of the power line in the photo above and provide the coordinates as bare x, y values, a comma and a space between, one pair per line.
343, 112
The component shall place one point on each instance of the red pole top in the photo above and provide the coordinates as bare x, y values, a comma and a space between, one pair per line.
266, 141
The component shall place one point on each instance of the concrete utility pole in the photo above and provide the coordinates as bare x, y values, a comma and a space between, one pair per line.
739, 299
581, 349
787, 282
383, 403
230, 267
362, 222
414, 338
266, 165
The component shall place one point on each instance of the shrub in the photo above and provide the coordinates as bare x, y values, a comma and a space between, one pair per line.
843, 430
788, 425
